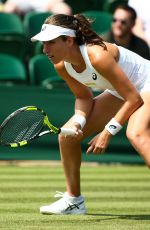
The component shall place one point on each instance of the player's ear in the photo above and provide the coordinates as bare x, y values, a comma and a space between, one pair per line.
70, 41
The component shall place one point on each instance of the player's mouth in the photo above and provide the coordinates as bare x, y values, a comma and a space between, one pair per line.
50, 56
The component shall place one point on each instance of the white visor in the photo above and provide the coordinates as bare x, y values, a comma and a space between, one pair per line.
50, 32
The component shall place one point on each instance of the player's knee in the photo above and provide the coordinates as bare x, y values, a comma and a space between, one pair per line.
136, 137
61, 138
66, 140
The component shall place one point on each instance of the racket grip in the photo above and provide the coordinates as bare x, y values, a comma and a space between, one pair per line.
67, 131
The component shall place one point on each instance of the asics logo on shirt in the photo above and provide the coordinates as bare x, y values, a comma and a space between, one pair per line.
94, 76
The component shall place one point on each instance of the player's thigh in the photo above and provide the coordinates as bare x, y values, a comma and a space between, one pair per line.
139, 121
105, 107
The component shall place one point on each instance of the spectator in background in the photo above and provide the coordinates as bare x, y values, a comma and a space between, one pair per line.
142, 26
21, 7
124, 18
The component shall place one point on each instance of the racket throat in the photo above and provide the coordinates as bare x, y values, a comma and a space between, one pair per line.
52, 128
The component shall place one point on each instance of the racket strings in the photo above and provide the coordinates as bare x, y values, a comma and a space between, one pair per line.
27, 133
23, 126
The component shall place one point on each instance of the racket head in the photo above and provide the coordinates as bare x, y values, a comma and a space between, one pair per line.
24, 125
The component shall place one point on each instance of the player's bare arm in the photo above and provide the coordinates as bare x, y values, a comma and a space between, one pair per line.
84, 96
107, 66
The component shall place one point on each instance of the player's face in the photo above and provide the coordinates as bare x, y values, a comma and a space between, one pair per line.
56, 50
122, 23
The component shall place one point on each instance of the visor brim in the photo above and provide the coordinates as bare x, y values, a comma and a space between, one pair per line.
44, 37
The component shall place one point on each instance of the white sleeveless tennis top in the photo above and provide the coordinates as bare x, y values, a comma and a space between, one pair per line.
136, 68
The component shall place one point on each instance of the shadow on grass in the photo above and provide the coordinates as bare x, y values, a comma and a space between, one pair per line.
123, 216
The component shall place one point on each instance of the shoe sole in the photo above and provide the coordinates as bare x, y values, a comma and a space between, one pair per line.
64, 213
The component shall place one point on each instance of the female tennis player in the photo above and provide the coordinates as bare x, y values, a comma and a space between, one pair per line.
85, 61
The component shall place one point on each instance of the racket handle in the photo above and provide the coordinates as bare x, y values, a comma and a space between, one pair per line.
67, 131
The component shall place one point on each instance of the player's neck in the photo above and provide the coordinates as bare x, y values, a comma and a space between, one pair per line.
74, 57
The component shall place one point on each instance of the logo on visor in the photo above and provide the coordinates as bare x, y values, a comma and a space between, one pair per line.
44, 28
94, 76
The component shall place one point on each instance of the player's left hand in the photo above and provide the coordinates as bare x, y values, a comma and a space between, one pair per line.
99, 143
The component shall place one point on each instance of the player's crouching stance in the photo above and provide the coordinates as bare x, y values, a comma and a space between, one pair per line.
84, 60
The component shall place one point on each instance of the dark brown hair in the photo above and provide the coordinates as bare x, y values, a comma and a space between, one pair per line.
82, 26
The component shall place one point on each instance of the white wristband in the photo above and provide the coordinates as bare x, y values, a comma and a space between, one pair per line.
113, 126
79, 119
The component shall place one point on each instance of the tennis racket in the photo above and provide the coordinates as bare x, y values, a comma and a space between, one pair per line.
27, 124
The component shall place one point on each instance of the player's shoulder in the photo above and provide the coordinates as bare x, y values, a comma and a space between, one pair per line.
98, 54
94, 51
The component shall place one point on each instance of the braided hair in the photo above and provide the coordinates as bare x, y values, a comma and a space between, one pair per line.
81, 25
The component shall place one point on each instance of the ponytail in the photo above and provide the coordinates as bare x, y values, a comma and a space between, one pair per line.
85, 33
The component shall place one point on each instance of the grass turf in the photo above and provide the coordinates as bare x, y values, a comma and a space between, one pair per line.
117, 198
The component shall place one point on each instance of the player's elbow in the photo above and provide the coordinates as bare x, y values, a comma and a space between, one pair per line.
136, 101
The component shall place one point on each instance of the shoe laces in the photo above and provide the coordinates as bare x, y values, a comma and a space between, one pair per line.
63, 195
59, 194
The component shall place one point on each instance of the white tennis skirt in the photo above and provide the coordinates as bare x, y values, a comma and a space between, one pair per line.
144, 88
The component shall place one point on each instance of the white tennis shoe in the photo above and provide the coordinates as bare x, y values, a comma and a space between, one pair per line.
65, 205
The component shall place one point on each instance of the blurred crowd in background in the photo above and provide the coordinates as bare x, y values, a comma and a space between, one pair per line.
123, 22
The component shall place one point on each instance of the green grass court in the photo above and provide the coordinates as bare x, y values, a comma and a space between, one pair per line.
117, 197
